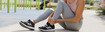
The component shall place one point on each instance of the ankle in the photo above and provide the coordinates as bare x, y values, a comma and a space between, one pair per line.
33, 21
49, 24
53, 26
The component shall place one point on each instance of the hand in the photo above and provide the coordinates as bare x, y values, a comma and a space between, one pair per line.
52, 22
49, 19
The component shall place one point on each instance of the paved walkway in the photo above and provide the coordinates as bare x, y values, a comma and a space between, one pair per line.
91, 23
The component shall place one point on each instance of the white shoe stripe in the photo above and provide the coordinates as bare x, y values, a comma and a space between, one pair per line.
27, 26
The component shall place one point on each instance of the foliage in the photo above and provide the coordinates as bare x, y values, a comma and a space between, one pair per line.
87, 1
103, 11
91, 2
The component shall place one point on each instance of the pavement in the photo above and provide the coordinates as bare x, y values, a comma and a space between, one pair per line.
91, 23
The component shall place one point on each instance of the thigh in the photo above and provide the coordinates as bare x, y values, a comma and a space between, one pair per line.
74, 26
67, 12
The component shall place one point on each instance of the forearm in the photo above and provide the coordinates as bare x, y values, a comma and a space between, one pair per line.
74, 20
50, 17
78, 13
51, 14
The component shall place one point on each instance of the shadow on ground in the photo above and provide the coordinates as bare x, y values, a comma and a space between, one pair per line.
57, 30
102, 17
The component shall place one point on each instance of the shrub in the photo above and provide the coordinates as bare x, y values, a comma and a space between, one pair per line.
103, 11
87, 1
91, 2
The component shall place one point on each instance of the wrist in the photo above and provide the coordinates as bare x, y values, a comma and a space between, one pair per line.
56, 21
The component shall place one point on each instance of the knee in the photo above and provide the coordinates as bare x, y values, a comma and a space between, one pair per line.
62, 2
50, 9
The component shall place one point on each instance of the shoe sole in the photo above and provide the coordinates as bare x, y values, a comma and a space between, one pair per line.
47, 30
25, 26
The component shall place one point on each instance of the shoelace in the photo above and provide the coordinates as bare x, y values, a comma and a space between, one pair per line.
29, 22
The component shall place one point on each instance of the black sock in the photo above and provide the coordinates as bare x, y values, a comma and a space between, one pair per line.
53, 26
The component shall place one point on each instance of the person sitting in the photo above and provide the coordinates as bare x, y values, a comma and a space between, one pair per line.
71, 18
